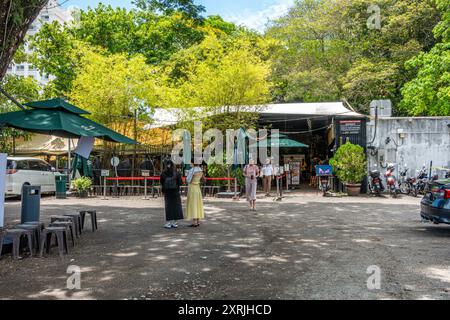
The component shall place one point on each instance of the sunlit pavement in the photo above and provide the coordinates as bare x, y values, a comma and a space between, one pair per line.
305, 247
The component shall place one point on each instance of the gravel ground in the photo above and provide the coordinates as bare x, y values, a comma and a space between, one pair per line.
306, 247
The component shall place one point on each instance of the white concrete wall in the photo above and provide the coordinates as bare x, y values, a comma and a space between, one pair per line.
419, 141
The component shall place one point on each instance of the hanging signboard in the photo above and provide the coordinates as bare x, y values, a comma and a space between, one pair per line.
145, 173
350, 127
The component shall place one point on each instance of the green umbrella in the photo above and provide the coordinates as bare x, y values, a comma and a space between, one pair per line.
283, 142
56, 104
60, 122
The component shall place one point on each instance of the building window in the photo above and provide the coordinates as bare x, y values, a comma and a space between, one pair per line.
20, 67
46, 18
31, 68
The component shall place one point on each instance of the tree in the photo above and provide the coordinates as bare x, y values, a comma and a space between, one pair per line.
168, 7
328, 52
57, 52
113, 88
226, 75
23, 89
16, 16
428, 94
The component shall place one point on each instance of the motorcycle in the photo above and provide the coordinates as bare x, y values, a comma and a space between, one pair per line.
391, 181
422, 181
407, 185
376, 185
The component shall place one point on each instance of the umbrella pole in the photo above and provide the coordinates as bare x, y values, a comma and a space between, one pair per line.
69, 164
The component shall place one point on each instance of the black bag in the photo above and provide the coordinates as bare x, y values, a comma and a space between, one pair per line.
170, 183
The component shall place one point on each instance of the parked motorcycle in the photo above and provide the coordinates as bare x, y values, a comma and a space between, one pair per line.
407, 185
376, 185
422, 181
391, 181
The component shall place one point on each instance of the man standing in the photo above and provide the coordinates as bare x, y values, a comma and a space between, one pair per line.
267, 172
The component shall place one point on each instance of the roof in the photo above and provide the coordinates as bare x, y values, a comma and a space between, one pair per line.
168, 117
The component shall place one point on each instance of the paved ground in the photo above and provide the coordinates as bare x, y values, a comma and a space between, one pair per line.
306, 247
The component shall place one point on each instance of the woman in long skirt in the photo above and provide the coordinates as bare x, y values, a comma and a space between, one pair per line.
194, 205
170, 183
251, 173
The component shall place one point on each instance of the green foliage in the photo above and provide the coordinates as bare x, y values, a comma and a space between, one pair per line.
113, 87
82, 184
327, 51
350, 163
428, 94
23, 90
226, 73
57, 52
218, 171
15, 18
167, 7
238, 173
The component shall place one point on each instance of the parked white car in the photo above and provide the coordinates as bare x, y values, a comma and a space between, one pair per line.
29, 171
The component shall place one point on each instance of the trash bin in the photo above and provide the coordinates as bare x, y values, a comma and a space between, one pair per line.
31, 203
61, 181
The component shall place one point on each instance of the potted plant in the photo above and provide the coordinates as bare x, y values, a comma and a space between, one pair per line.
82, 186
350, 165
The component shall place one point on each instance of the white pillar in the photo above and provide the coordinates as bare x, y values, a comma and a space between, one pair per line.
3, 161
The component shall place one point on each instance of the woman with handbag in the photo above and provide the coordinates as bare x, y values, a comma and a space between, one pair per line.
170, 184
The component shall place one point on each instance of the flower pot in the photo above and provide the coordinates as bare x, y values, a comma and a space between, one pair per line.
353, 190
83, 194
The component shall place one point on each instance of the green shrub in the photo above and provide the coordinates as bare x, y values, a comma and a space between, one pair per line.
218, 171
350, 163
82, 184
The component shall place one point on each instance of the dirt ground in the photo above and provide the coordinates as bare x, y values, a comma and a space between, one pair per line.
305, 247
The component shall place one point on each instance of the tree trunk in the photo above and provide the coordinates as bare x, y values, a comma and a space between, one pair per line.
16, 17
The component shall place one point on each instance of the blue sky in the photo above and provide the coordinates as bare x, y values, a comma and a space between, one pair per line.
252, 13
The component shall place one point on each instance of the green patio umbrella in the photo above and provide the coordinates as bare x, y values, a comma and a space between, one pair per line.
56, 104
60, 122
283, 142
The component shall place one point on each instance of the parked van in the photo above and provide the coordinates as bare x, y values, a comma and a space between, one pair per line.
29, 171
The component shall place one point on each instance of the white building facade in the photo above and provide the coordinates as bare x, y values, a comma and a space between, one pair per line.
51, 12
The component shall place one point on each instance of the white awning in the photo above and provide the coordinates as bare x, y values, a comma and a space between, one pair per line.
168, 117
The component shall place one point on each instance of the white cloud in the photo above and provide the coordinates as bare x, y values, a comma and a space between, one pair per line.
258, 19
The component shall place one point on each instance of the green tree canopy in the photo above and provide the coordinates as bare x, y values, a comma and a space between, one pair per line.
328, 51
428, 94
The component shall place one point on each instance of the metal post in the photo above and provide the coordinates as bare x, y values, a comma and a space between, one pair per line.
69, 165
145, 188
104, 188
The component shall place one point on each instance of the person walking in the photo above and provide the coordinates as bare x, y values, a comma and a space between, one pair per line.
267, 172
251, 173
170, 184
194, 205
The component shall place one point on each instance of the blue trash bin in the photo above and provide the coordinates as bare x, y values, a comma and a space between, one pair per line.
31, 203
